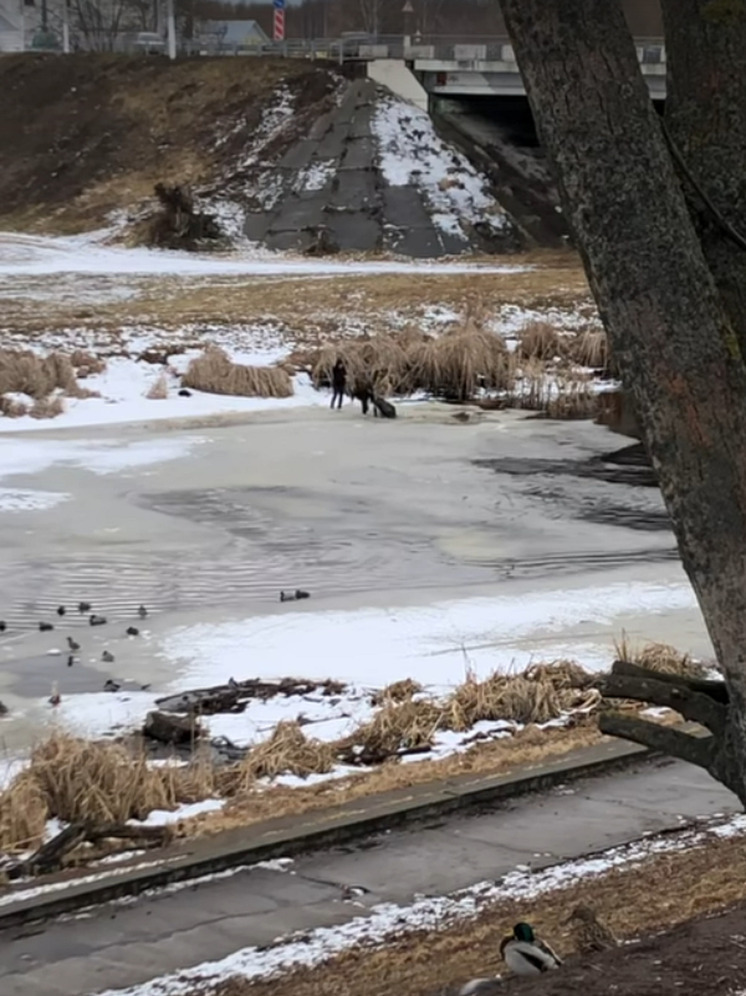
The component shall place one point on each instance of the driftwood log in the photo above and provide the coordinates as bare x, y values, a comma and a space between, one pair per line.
169, 728
698, 700
234, 696
50, 856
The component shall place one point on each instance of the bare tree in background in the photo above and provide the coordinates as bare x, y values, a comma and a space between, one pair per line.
99, 22
658, 213
369, 15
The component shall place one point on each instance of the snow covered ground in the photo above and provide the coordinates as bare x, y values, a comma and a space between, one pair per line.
412, 154
389, 921
33, 255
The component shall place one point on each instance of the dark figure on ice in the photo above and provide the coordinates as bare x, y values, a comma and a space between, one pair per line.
339, 383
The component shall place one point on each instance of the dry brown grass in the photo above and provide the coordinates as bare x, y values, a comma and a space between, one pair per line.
456, 364
635, 899
86, 363
381, 362
560, 394
529, 746
312, 311
590, 349
397, 726
540, 693
24, 372
158, 390
287, 751
84, 781
214, 372
540, 341
397, 691
659, 657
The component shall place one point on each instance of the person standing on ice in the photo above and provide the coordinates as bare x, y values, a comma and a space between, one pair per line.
339, 382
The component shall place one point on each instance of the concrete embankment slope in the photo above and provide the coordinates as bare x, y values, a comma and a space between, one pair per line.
295, 155
372, 174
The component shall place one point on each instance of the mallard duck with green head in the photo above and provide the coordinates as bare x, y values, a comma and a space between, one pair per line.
525, 954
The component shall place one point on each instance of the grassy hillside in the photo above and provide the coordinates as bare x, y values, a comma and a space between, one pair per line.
84, 135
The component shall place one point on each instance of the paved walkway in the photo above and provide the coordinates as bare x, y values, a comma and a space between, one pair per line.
122, 945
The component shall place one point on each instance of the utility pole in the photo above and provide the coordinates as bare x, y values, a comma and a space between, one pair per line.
171, 28
66, 26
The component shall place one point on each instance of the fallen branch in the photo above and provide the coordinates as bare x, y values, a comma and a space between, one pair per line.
694, 706
50, 856
367, 758
146, 835
717, 690
168, 728
694, 749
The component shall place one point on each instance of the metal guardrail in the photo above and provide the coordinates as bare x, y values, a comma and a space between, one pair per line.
460, 49
464, 50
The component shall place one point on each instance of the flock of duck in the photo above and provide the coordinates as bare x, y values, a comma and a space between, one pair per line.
526, 954
84, 608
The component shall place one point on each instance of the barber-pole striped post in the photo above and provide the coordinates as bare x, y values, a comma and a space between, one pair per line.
279, 21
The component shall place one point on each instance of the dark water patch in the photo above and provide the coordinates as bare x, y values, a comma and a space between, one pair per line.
33, 676
597, 469
609, 514
568, 564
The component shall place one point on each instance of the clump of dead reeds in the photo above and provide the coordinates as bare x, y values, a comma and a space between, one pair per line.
573, 399
379, 362
590, 349
12, 407
85, 781
49, 407
23, 372
397, 691
24, 812
287, 751
94, 783
561, 394
659, 657
158, 390
86, 363
396, 726
540, 341
457, 364
215, 373
537, 695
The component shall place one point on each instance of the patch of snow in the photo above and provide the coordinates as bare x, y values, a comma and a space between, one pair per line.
123, 400
17, 500
412, 155
429, 644
316, 175
23, 895
22, 457
388, 920
114, 859
511, 318
37, 255
278, 112
187, 811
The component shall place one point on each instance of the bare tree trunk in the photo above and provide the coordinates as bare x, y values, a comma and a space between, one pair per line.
706, 117
676, 348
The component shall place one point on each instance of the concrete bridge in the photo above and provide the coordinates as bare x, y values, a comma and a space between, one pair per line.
479, 67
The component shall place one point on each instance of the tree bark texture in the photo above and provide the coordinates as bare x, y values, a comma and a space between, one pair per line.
670, 333
706, 118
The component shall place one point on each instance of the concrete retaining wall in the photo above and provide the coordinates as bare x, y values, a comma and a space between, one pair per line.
396, 75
